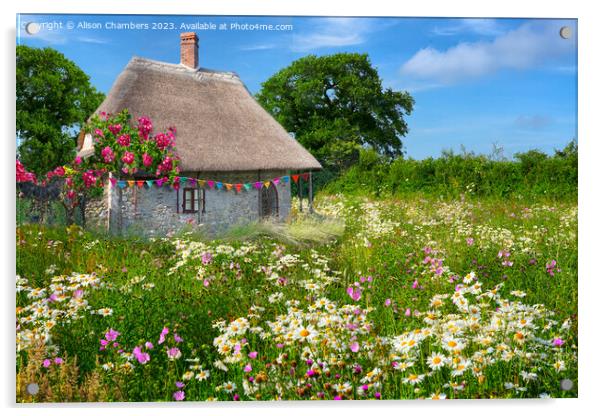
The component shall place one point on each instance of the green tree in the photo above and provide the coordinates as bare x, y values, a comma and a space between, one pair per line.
54, 99
335, 105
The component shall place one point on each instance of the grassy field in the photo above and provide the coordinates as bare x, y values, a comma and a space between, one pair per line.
370, 299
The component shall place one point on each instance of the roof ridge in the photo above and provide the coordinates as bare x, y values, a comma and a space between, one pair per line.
198, 73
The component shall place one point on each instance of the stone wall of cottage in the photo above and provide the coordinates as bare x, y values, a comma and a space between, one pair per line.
158, 211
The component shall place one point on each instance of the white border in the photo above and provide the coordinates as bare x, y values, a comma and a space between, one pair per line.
589, 175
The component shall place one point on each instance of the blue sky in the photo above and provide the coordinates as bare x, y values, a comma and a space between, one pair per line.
476, 82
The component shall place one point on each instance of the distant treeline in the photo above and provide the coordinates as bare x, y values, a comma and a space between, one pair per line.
529, 174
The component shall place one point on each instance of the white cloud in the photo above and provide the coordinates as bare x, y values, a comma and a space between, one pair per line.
530, 45
258, 47
485, 27
333, 32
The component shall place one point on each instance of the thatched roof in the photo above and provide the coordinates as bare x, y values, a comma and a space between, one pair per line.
220, 126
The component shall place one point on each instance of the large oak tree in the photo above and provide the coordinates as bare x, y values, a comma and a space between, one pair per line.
336, 104
54, 99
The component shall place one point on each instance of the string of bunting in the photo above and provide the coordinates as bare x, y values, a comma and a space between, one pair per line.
211, 184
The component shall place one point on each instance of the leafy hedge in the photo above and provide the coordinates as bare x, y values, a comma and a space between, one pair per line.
529, 174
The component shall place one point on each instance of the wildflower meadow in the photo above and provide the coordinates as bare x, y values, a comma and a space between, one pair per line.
368, 298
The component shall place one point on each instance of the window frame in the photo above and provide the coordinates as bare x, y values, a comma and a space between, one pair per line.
197, 205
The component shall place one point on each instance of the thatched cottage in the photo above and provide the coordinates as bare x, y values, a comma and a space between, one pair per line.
223, 135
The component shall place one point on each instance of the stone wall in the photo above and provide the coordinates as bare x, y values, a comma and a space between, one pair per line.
158, 211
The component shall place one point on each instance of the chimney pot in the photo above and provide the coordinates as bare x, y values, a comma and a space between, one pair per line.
189, 49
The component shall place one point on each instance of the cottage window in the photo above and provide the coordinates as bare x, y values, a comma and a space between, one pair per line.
193, 200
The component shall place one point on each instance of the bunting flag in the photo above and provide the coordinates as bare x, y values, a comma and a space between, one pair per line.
182, 180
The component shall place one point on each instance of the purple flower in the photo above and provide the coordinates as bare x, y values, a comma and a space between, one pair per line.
179, 384
206, 258
354, 346
355, 293
236, 397
179, 395
111, 335
149, 345
177, 338
46, 363
558, 342
377, 395
387, 302
253, 355
142, 357
58, 361
164, 332
470, 241
174, 353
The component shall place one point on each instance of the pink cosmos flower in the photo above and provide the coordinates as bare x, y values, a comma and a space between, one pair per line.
354, 346
46, 363
179, 395
408, 312
558, 342
179, 384
415, 284
387, 302
164, 332
177, 338
354, 293
247, 368
142, 357
174, 353
111, 335
253, 355
206, 258
149, 345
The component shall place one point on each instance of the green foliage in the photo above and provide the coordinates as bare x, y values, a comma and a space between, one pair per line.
336, 104
532, 174
54, 99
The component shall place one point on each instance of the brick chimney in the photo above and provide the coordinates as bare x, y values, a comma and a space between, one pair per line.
189, 49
